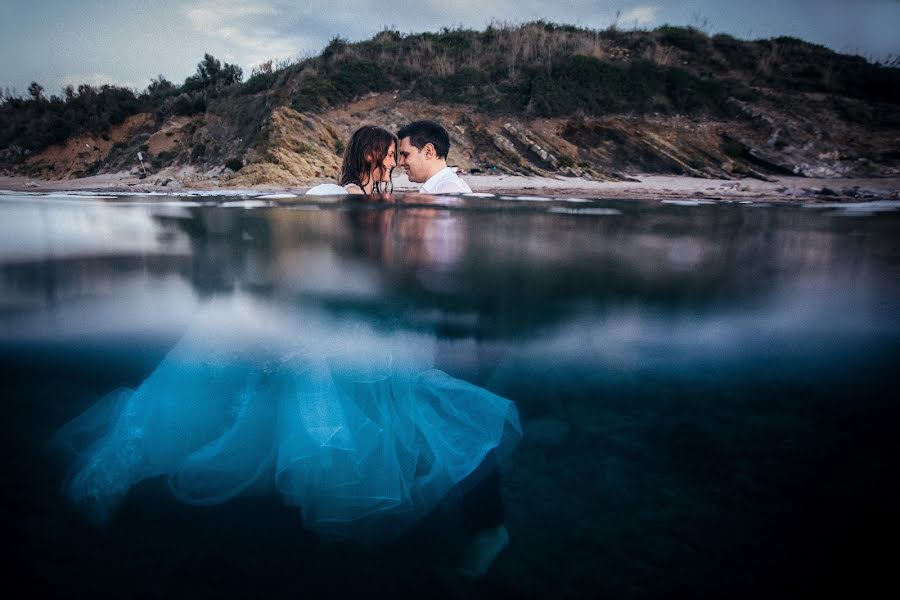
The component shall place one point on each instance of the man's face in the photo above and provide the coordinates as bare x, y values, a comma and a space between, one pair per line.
413, 161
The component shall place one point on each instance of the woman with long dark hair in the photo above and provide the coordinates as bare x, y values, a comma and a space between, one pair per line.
369, 159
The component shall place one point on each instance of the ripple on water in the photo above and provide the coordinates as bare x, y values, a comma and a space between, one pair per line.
276, 196
584, 211
857, 209
247, 204
692, 202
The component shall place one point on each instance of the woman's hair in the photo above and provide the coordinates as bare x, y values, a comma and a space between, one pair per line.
369, 146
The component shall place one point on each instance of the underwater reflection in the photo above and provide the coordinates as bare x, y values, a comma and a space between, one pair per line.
349, 423
486, 272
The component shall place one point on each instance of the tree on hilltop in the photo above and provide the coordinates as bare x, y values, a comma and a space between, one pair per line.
213, 73
36, 91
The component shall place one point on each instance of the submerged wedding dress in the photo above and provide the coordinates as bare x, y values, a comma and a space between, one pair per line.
347, 422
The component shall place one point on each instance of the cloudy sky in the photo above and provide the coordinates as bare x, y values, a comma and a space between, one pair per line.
127, 42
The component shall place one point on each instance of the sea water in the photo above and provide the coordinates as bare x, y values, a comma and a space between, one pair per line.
705, 389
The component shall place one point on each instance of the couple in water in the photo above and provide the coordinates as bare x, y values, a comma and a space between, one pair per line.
346, 419
420, 148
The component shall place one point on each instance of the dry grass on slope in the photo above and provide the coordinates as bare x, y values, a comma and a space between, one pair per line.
293, 148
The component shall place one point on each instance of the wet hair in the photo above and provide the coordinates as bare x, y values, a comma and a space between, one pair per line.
368, 147
427, 132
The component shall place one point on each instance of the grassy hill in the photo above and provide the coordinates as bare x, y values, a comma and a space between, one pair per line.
537, 98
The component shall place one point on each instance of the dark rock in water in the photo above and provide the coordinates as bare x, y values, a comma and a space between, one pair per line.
826, 192
547, 432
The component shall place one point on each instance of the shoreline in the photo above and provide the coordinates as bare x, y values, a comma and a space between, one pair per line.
782, 189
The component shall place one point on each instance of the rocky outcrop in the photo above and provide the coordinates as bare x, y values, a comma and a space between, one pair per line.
808, 137
293, 147
296, 148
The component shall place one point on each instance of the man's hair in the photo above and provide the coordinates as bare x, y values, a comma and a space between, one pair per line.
427, 132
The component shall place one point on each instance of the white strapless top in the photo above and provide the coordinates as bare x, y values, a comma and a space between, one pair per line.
327, 189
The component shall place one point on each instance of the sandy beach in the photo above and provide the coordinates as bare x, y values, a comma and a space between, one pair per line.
778, 189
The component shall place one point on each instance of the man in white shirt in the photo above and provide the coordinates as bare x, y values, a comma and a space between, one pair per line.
424, 146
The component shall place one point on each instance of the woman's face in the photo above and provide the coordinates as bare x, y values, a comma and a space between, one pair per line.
383, 171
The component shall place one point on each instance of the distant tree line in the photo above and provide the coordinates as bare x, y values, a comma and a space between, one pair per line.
29, 124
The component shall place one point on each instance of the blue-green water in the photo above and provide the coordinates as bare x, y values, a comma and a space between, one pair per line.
705, 390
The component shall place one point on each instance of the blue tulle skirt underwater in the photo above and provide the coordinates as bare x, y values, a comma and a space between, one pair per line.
348, 422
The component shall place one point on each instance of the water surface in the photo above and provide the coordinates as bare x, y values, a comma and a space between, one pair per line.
705, 388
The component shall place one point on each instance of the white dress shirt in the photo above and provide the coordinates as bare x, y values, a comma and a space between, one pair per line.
445, 181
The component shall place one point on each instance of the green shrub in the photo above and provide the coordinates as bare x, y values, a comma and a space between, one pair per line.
685, 38
166, 157
259, 82
198, 152
742, 56
457, 40
313, 95
343, 80
334, 47
184, 105
597, 87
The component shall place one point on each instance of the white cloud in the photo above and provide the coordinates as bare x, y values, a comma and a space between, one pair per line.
249, 33
212, 18
644, 14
